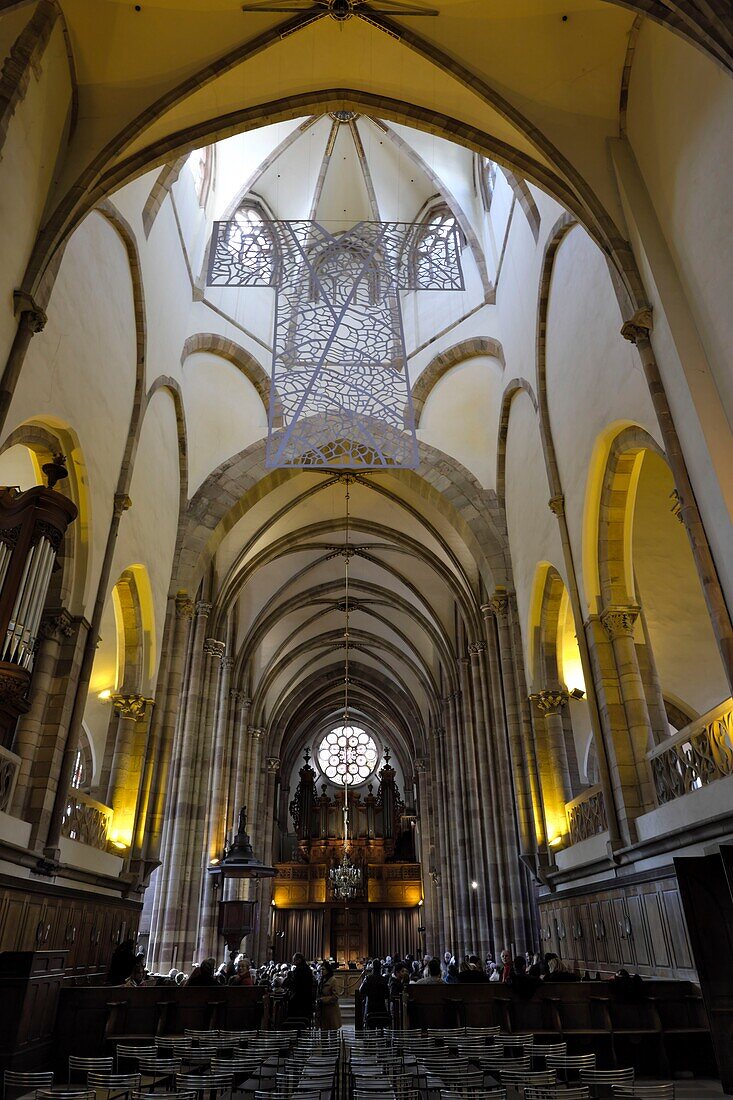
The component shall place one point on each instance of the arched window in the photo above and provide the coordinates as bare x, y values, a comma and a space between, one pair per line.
201, 163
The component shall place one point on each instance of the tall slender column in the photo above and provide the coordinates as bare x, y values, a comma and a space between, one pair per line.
527, 791
164, 723
481, 834
459, 829
51, 850
55, 626
31, 319
556, 786
632, 772
123, 780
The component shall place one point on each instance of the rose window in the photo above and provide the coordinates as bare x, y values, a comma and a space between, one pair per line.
347, 755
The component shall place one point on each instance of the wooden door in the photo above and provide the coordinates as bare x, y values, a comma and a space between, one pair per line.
347, 934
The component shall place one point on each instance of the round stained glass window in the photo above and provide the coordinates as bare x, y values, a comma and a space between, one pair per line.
347, 755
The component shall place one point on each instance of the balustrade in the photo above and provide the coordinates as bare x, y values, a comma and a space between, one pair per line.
586, 815
86, 821
9, 769
698, 755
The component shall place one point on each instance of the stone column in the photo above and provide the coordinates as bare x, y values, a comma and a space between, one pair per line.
123, 781
439, 873
241, 704
630, 769
526, 788
31, 319
55, 627
164, 728
483, 833
556, 786
459, 825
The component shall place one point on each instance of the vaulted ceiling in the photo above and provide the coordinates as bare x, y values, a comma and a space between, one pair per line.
533, 83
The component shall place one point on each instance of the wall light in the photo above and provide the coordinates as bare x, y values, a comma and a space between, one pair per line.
555, 841
576, 693
474, 885
105, 696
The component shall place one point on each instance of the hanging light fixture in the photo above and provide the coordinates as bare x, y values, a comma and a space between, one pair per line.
346, 877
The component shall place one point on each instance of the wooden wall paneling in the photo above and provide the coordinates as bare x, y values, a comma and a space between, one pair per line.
678, 930
34, 927
662, 957
589, 952
13, 925
600, 931
639, 931
622, 939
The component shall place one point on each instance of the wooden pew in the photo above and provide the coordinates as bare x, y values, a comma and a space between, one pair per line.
91, 1020
660, 1027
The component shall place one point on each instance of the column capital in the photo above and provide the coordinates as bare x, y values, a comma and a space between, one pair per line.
549, 701
184, 606
499, 602
446, 699
214, 648
438, 732
256, 733
130, 705
273, 763
57, 625
421, 764
639, 326
227, 663
27, 307
474, 648
557, 505
121, 504
618, 621
462, 662
203, 608
235, 695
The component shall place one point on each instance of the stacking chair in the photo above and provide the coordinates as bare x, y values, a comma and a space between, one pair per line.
640, 1089
557, 1092
70, 1093
161, 1071
127, 1052
116, 1085
512, 1045
482, 1032
141, 1094
570, 1064
81, 1067
474, 1094
17, 1083
213, 1084
600, 1081
520, 1078
541, 1050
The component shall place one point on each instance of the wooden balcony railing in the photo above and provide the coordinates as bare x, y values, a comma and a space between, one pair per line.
698, 755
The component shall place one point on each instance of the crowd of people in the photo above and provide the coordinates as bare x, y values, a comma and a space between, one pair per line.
308, 989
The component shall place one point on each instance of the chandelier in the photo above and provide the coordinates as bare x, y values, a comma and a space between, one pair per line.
346, 877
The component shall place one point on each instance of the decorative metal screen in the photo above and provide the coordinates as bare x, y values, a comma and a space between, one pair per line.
340, 392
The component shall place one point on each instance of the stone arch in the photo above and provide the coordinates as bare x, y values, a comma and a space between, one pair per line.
162, 187
133, 606
524, 197
517, 385
445, 361
165, 382
242, 359
615, 568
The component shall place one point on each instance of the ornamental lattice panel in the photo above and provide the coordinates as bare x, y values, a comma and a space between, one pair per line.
340, 393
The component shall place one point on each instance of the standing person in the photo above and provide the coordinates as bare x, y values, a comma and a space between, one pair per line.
375, 992
328, 999
300, 988
506, 964
432, 974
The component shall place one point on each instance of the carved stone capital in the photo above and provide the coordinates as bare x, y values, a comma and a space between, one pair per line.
227, 663
639, 326
29, 311
121, 503
557, 505
499, 603
184, 606
273, 763
203, 608
462, 662
618, 622
130, 706
214, 648
57, 625
421, 764
446, 699
256, 733
549, 701
235, 695
477, 647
